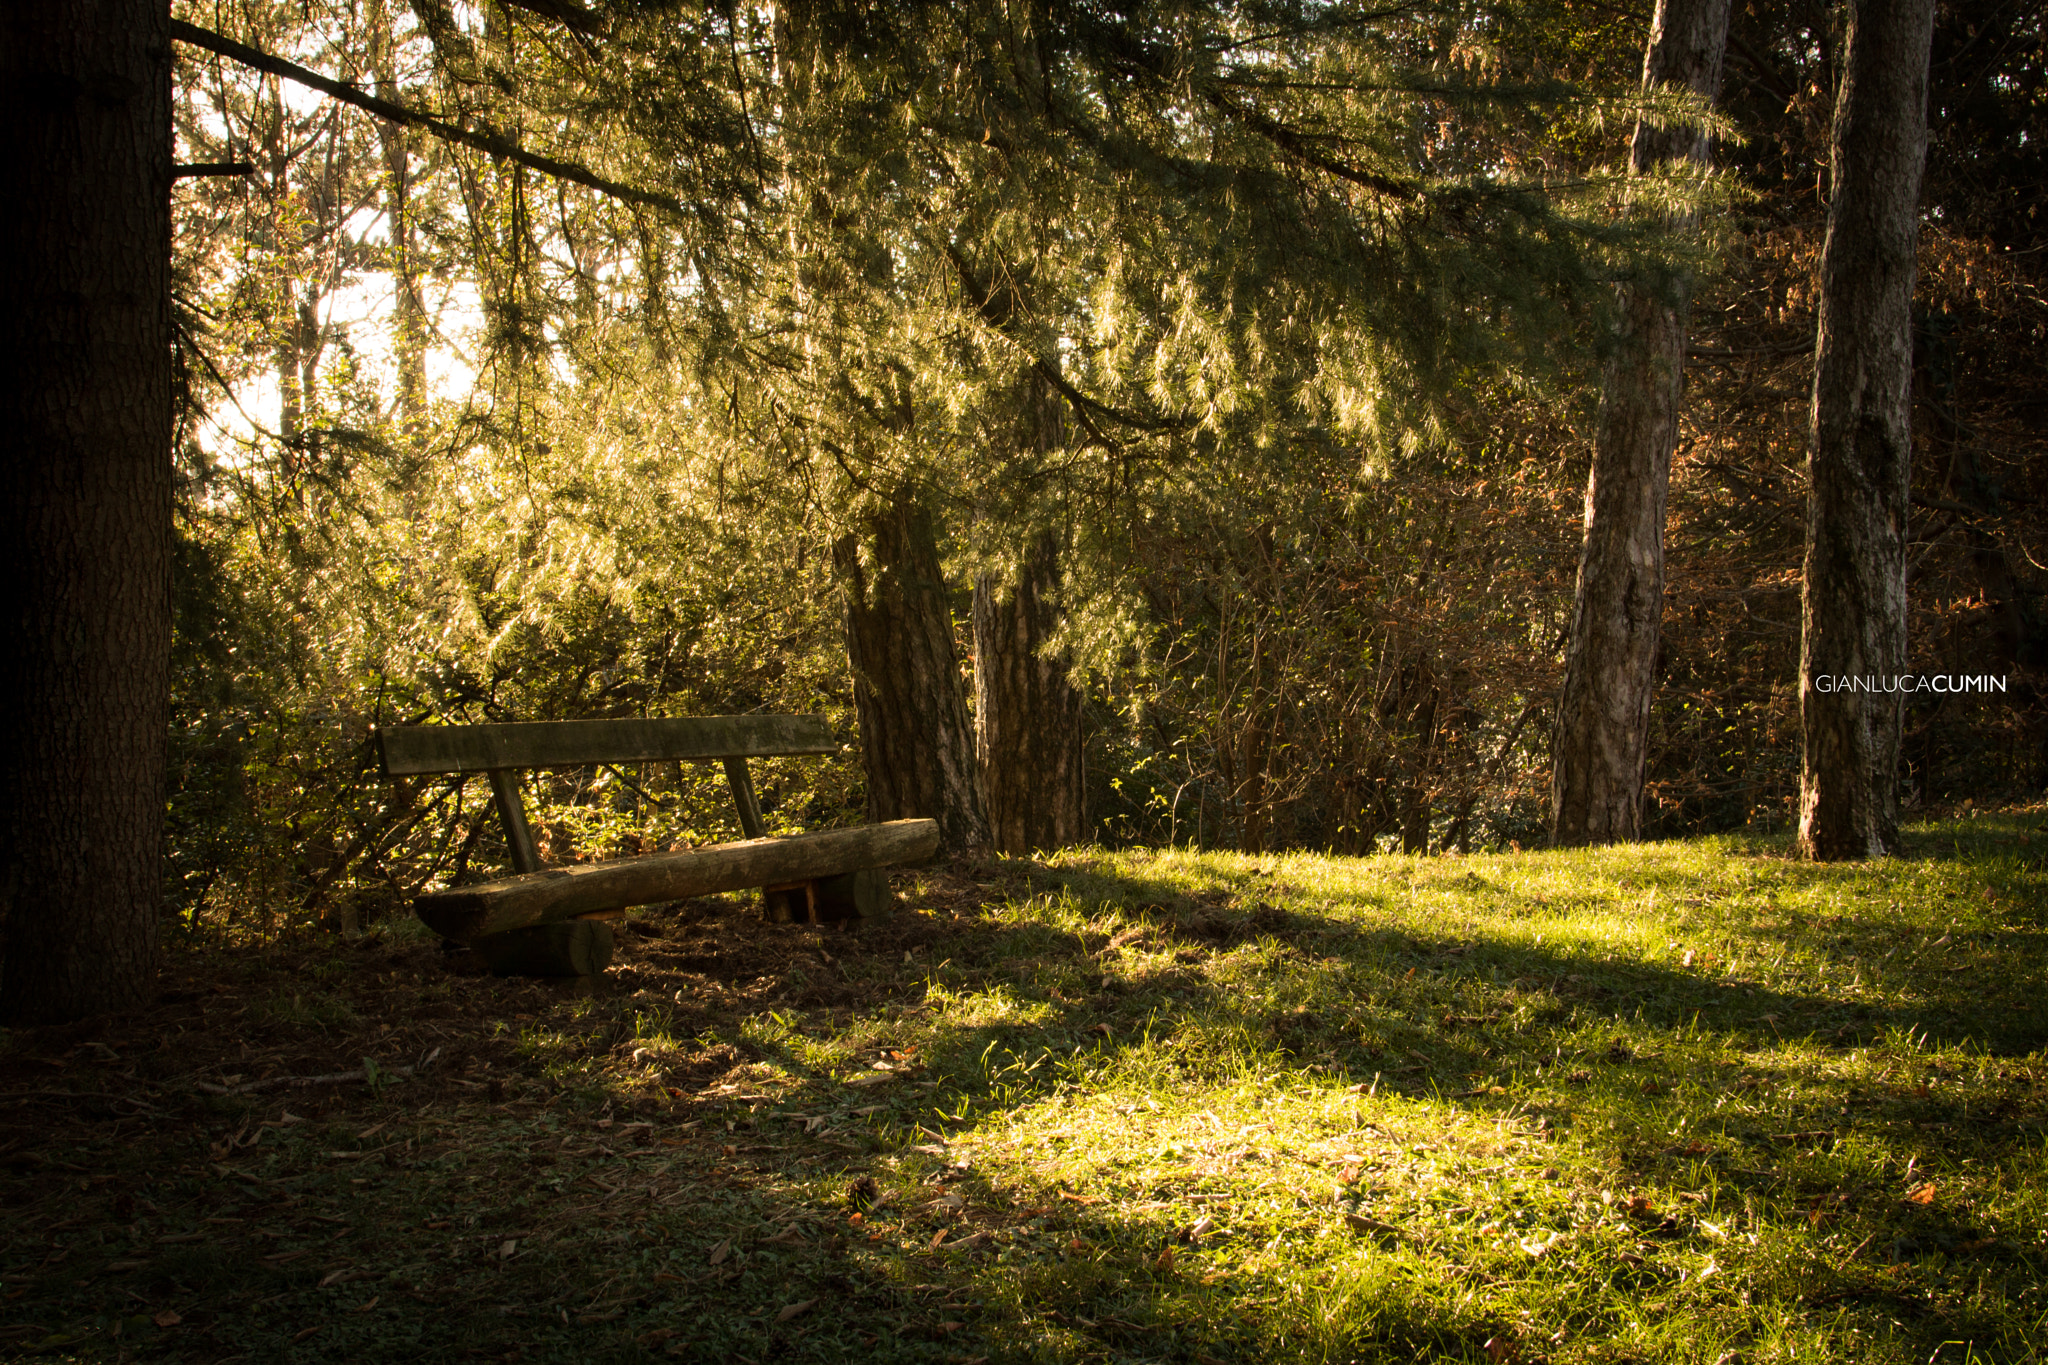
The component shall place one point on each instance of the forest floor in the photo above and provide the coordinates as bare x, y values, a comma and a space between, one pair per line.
1689, 1101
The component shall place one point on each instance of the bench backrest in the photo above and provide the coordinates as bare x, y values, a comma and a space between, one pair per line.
409, 749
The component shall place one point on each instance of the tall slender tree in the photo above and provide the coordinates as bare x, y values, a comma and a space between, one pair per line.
1603, 717
1859, 456
85, 408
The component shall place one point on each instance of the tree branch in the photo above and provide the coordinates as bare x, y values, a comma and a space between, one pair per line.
1299, 146
566, 13
1136, 421
494, 144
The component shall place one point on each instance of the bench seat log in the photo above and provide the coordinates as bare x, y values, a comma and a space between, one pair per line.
468, 913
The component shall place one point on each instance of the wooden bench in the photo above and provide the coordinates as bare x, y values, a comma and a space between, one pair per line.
549, 921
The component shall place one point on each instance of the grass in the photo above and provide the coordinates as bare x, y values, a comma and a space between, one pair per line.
1691, 1101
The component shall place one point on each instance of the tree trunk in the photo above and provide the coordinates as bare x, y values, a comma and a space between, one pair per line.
1603, 720
1860, 452
917, 746
408, 314
1417, 800
85, 405
1027, 715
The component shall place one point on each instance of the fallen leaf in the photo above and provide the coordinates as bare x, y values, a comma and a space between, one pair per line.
1164, 1261
793, 1309
1921, 1194
371, 1304
720, 1252
167, 1319
302, 1335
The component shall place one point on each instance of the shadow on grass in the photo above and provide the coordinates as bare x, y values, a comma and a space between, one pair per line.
721, 1191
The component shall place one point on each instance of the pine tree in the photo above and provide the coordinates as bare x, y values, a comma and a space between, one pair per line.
1603, 720
1860, 457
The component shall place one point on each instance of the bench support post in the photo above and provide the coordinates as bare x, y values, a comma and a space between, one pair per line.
742, 784
518, 835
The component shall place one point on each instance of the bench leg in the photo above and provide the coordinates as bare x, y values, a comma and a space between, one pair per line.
567, 947
511, 810
789, 903
742, 783
850, 895
854, 895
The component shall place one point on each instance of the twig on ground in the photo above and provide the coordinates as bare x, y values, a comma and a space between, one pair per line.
80, 1095
361, 1075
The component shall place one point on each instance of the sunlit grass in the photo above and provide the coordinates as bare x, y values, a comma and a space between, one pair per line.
1690, 1101
1685, 1101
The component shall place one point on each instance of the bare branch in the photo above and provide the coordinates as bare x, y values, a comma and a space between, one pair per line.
494, 144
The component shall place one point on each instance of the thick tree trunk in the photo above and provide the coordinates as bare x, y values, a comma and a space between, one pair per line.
85, 408
1603, 721
1027, 715
1860, 453
917, 746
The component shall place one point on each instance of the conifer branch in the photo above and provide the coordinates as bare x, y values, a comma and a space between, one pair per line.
999, 308
1297, 145
567, 13
1052, 376
493, 144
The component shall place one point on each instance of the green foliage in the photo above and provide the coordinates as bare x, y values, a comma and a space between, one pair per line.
1288, 341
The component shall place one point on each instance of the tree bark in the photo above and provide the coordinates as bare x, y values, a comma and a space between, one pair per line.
1027, 715
1599, 748
1859, 456
917, 746
85, 407
408, 314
